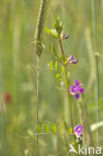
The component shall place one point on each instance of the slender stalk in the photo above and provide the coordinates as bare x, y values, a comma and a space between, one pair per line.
3, 149
92, 78
67, 85
16, 59
38, 50
2, 128
37, 102
68, 94
83, 114
96, 65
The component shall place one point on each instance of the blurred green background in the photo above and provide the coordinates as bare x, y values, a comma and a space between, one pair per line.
18, 77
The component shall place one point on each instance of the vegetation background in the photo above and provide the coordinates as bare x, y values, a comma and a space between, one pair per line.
18, 74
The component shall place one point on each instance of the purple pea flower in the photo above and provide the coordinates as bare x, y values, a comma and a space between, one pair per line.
77, 82
77, 96
76, 89
71, 60
81, 90
78, 130
73, 90
75, 61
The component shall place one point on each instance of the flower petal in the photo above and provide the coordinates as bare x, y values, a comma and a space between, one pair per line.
71, 58
77, 96
81, 90
75, 61
78, 129
77, 82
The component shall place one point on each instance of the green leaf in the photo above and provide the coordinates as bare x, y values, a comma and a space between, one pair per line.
47, 127
58, 76
62, 69
47, 30
53, 50
58, 26
50, 65
70, 131
56, 65
54, 128
39, 128
52, 32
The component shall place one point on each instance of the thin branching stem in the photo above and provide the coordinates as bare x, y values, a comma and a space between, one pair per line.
67, 86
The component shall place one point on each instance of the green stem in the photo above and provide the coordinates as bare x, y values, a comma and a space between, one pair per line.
83, 113
37, 102
2, 128
69, 97
3, 149
68, 93
96, 66
67, 85
38, 50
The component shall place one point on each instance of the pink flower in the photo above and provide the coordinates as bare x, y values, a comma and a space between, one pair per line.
78, 129
76, 89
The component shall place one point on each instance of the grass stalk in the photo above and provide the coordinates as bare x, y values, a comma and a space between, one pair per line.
83, 114
96, 65
2, 127
38, 50
92, 78
37, 101
3, 149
